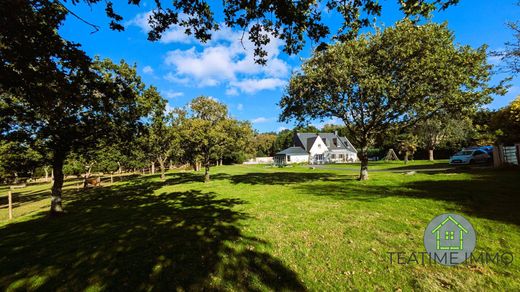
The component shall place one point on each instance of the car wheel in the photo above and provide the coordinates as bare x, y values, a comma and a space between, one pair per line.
471, 162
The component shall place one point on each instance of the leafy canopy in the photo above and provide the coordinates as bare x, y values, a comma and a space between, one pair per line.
290, 21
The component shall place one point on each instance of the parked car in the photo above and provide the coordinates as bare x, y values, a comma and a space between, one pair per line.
470, 156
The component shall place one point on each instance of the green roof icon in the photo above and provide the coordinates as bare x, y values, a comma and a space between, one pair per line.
450, 242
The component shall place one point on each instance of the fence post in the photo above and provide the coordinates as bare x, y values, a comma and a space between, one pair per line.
10, 202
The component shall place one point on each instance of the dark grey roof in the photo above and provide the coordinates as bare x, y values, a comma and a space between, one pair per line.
310, 141
293, 151
307, 140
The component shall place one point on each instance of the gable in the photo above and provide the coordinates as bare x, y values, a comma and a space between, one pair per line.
318, 146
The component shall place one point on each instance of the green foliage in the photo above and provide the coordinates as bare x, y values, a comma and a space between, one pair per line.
53, 94
264, 144
506, 123
284, 139
443, 130
208, 135
392, 78
292, 21
17, 160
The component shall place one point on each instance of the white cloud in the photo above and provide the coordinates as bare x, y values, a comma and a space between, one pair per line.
172, 94
172, 78
174, 34
260, 120
232, 91
240, 106
280, 129
147, 70
212, 64
168, 108
253, 85
494, 60
227, 59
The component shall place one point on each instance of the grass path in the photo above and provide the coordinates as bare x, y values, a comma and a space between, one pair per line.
262, 228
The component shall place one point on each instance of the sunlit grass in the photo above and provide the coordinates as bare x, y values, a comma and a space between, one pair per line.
259, 227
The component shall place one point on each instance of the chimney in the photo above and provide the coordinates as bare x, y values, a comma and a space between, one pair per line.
336, 132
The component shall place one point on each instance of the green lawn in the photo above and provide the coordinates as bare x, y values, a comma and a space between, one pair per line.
261, 228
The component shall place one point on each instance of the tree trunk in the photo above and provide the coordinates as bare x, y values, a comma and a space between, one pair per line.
430, 153
119, 169
171, 165
206, 173
406, 157
363, 156
153, 167
57, 169
161, 166
46, 169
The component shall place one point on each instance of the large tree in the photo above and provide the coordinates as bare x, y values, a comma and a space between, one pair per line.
397, 76
51, 91
207, 132
162, 139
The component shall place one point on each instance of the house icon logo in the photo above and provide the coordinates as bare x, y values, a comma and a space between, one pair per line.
449, 239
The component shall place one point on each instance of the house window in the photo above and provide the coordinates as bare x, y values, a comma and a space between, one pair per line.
340, 156
333, 156
335, 141
449, 235
289, 158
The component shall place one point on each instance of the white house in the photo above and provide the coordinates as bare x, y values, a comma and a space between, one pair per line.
317, 148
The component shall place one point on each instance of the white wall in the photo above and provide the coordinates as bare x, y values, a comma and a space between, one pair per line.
299, 158
318, 147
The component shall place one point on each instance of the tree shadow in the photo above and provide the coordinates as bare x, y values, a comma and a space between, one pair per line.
276, 178
490, 194
127, 238
493, 195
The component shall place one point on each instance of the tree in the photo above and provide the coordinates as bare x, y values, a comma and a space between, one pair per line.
441, 130
290, 21
394, 77
506, 123
407, 146
17, 159
284, 140
511, 53
483, 129
161, 137
207, 132
264, 144
54, 93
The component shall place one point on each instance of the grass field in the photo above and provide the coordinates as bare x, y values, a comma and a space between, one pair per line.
260, 228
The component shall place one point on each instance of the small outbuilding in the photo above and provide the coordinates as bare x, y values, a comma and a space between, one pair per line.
291, 155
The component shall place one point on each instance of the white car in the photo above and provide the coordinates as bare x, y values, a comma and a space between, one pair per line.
470, 157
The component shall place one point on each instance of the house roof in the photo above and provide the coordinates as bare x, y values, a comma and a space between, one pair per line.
308, 139
293, 151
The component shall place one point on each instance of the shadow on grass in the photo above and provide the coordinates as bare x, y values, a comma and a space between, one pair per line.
487, 194
276, 178
126, 238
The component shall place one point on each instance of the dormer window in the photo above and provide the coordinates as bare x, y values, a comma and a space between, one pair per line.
335, 141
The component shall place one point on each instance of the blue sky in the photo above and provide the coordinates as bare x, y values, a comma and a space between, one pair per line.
182, 68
